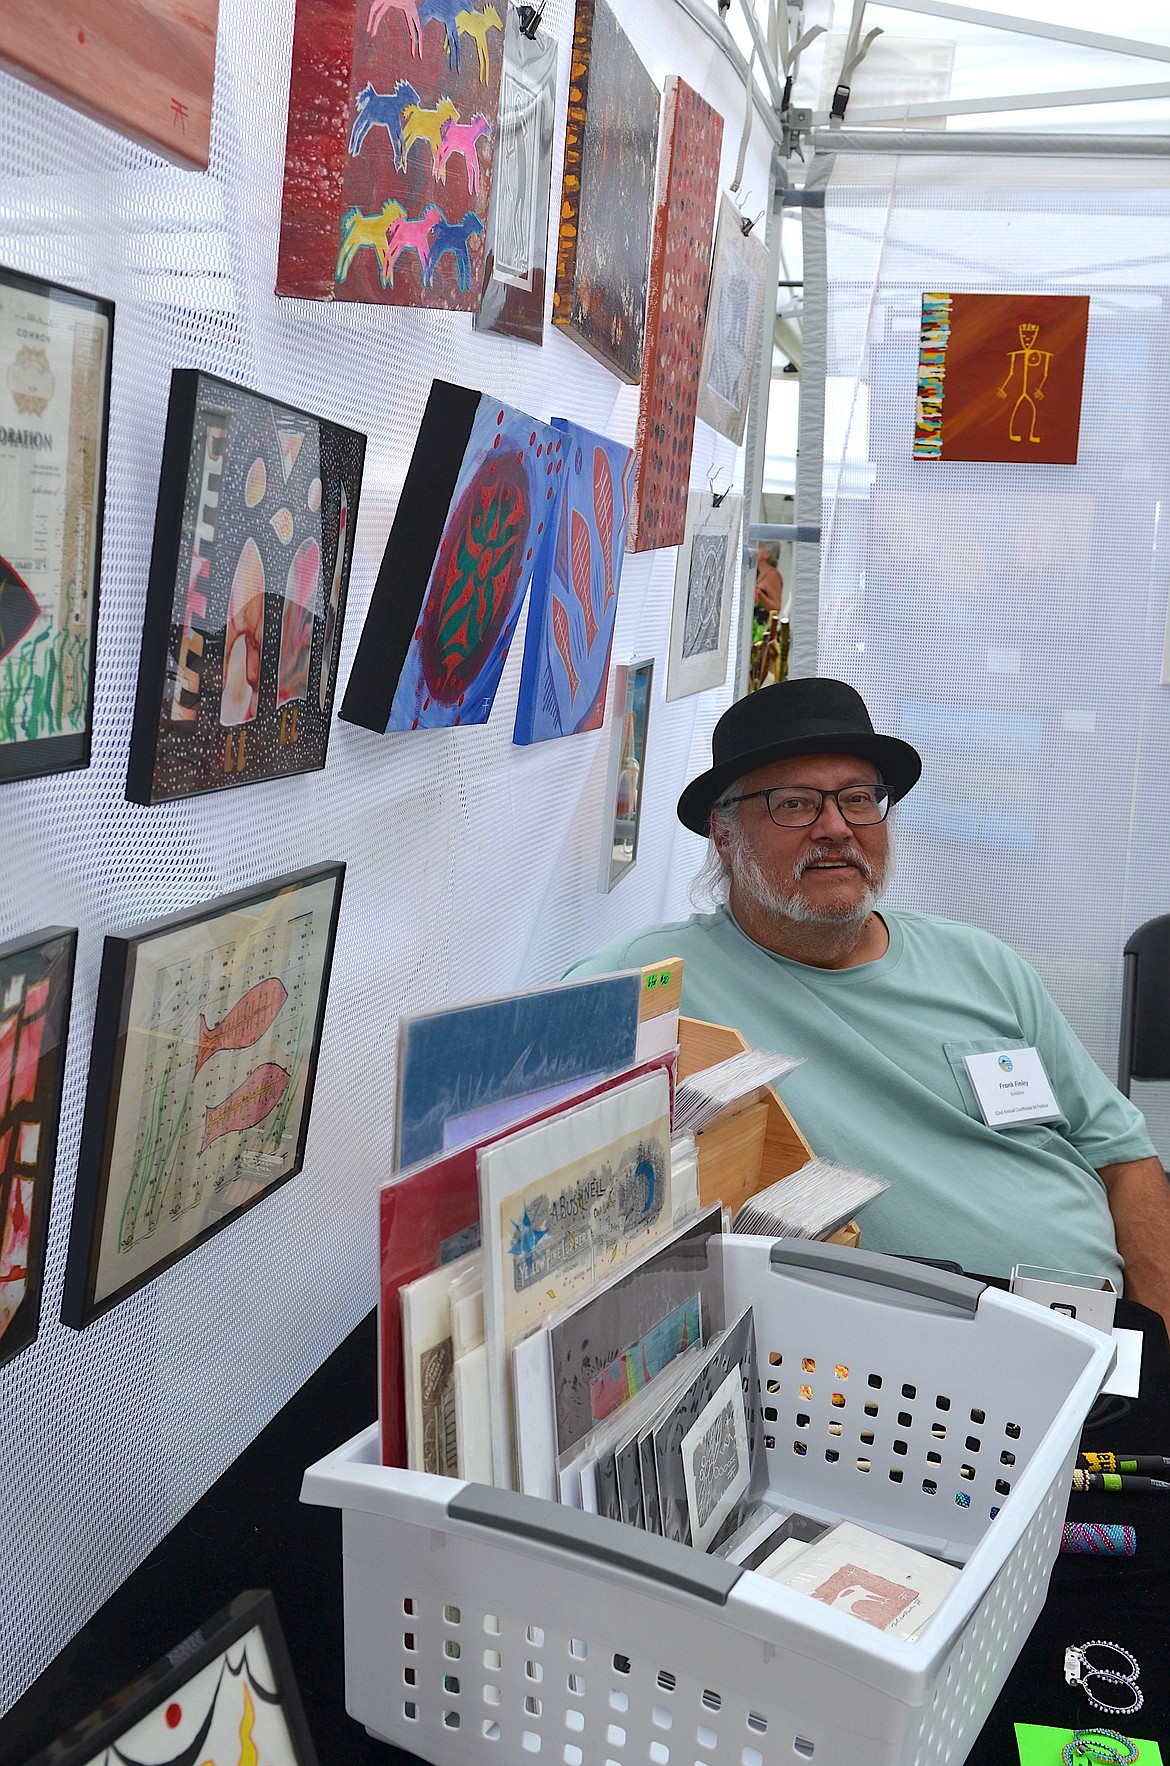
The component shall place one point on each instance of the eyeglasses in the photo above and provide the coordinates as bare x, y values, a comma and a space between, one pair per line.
798, 806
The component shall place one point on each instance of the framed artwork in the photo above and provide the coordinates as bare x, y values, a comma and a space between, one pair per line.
633, 683
205, 1045
253, 542
704, 585
142, 67
1000, 377
735, 313
54, 422
389, 149
575, 591
36, 984
607, 194
688, 186
479, 494
225, 1696
516, 249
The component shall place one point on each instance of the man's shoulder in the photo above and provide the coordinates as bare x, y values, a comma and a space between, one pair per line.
939, 938
649, 944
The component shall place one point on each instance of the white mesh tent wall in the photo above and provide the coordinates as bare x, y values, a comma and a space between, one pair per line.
1008, 619
473, 864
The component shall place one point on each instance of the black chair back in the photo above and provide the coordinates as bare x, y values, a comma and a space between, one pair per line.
1144, 1048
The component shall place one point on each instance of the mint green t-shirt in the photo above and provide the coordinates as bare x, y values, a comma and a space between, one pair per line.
883, 1085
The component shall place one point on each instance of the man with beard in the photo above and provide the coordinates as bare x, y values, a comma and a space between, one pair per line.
883, 1008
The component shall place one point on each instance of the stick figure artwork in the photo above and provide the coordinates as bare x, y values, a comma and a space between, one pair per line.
1032, 367
986, 357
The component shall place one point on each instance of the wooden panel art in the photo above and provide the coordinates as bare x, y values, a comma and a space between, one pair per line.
999, 377
607, 194
688, 186
143, 67
479, 494
388, 153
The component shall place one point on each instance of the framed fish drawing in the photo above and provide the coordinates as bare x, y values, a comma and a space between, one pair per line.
688, 186
704, 586
389, 151
517, 226
249, 577
55, 347
36, 983
479, 495
574, 599
607, 194
206, 1036
735, 315
225, 1696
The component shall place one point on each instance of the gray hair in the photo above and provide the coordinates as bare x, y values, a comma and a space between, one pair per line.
711, 883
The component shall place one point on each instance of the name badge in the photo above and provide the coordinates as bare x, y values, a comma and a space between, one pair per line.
1012, 1086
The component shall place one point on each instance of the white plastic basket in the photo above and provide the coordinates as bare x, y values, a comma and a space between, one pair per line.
481, 1625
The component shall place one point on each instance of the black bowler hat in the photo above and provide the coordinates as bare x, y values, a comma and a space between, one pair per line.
814, 716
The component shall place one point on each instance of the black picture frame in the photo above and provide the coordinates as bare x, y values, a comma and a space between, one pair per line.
245, 603
34, 1035
247, 976
47, 670
166, 1693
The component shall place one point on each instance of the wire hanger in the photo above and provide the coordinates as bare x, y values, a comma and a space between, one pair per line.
717, 497
531, 19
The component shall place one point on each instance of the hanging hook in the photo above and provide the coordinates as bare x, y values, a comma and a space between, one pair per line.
716, 496
531, 18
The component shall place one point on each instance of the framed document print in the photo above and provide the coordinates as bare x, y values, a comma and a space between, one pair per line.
226, 1693
205, 1045
704, 586
633, 683
36, 982
54, 420
248, 579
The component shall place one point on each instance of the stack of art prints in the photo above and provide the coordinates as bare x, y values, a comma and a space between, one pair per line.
248, 582
735, 312
225, 1696
607, 194
388, 152
206, 1037
479, 496
1000, 377
571, 619
54, 420
688, 186
516, 249
36, 982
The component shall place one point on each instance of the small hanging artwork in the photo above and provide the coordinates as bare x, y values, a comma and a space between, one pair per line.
607, 194
688, 186
704, 584
206, 1037
36, 982
735, 311
480, 493
575, 593
225, 1696
517, 227
249, 575
388, 152
632, 685
1000, 378
54, 420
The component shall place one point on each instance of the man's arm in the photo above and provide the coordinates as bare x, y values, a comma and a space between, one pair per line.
1139, 1201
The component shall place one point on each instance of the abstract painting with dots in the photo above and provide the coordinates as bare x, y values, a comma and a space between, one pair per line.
680, 265
607, 194
226, 1696
479, 499
253, 542
575, 592
36, 981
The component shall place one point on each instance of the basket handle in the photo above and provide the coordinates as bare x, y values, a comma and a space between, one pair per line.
959, 1293
607, 1542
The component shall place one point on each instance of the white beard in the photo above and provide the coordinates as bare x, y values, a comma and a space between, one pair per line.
791, 903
